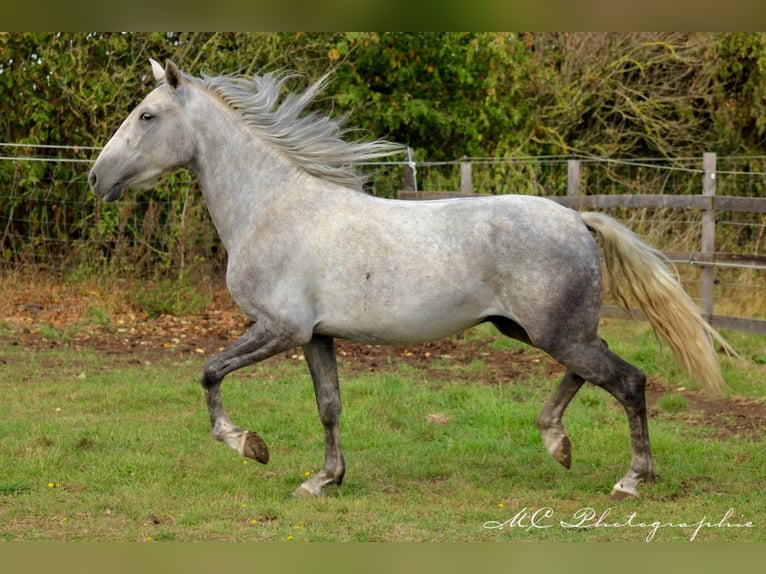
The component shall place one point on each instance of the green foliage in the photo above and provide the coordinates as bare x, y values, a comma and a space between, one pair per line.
740, 69
447, 94
461, 90
624, 95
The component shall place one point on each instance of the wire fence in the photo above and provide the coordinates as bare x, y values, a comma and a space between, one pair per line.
49, 220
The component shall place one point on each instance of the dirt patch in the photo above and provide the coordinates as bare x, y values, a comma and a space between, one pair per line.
49, 318
735, 416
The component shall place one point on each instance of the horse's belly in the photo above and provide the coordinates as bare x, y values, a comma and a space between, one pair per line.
401, 325
399, 335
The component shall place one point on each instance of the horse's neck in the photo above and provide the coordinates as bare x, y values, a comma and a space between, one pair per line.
238, 174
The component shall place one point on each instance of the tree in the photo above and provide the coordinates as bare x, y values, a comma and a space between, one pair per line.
624, 95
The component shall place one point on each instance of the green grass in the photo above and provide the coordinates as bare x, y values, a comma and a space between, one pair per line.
98, 447
672, 402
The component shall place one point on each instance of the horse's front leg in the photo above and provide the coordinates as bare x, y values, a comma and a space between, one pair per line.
257, 344
320, 356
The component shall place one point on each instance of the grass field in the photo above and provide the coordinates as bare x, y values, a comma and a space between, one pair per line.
102, 447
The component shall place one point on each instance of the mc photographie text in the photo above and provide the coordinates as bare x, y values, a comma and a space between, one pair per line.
531, 519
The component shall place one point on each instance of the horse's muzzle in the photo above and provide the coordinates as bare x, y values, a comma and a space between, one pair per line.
113, 194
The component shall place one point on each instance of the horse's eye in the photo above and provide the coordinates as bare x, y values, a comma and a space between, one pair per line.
146, 116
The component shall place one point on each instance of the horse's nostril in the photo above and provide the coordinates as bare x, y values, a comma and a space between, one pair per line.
92, 178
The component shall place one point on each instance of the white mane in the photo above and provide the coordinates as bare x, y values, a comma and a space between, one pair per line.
313, 141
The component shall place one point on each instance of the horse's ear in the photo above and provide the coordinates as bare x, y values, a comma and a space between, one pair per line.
172, 74
159, 73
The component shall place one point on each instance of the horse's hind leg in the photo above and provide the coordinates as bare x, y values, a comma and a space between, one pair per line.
630, 390
320, 356
552, 431
595, 363
549, 422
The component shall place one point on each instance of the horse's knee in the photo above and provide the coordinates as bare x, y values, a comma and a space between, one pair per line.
634, 389
211, 374
627, 384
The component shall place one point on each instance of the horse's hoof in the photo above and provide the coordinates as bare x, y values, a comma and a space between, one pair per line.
563, 453
305, 492
623, 492
558, 446
255, 448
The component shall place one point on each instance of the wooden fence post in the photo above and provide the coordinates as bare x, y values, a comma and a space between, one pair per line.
573, 177
410, 181
466, 177
707, 247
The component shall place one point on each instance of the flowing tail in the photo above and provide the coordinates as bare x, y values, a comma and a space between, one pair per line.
671, 312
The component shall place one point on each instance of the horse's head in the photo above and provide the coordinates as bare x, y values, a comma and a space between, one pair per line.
152, 140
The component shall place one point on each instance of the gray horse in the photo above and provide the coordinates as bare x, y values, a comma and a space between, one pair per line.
312, 258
